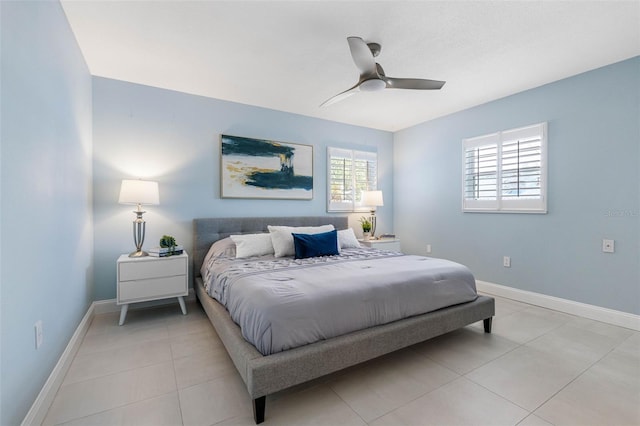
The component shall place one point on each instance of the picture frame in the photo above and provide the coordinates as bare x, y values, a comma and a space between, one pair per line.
265, 169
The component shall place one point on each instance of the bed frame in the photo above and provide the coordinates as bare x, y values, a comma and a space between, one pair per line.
264, 375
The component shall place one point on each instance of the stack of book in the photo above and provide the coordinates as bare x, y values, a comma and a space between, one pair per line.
165, 251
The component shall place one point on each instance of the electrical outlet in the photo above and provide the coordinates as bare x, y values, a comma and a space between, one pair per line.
428, 248
38, 329
608, 246
506, 262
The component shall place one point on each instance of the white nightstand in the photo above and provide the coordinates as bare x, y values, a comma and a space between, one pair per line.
391, 244
141, 279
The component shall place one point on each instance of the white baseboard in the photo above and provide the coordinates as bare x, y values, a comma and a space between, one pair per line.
41, 405
597, 313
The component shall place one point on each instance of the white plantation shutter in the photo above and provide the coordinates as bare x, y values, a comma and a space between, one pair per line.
349, 173
506, 171
481, 172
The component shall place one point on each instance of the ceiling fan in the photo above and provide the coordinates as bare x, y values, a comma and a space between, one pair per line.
372, 76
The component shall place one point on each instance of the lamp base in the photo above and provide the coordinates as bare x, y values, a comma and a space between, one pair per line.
138, 254
373, 224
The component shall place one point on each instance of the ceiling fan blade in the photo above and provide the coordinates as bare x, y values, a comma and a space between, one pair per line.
341, 96
412, 83
362, 55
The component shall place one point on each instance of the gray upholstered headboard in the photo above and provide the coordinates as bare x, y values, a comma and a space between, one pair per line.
209, 230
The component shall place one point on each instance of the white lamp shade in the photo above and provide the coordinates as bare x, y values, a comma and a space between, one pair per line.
139, 192
372, 198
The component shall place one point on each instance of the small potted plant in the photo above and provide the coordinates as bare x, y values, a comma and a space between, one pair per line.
167, 241
366, 228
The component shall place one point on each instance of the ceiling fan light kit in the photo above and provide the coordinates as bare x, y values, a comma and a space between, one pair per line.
372, 85
372, 76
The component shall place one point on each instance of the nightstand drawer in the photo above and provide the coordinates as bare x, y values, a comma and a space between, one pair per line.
391, 244
131, 291
145, 269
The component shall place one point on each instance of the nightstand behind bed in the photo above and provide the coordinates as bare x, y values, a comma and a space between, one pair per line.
391, 244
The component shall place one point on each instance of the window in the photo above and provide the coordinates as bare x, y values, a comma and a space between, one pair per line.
349, 173
506, 171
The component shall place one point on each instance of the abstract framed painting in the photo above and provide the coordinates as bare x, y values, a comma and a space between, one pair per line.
259, 168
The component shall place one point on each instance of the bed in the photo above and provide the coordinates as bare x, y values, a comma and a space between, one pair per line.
267, 374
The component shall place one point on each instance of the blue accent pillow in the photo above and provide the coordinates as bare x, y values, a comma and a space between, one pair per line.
314, 245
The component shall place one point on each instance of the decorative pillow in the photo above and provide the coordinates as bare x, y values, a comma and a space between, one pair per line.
249, 245
282, 239
347, 239
314, 245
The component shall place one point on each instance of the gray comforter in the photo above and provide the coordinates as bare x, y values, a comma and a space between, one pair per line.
282, 303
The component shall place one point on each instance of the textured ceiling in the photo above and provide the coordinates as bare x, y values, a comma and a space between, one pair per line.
293, 55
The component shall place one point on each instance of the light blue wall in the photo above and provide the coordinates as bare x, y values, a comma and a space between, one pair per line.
46, 196
49, 168
172, 137
594, 191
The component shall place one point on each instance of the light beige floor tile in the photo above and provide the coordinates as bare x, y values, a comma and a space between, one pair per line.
109, 323
631, 345
96, 395
160, 411
89, 366
104, 385
389, 382
459, 403
194, 311
193, 343
214, 401
465, 349
188, 326
557, 315
314, 406
620, 333
127, 336
138, 317
606, 394
533, 420
246, 420
507, 306
524, 326
202, 367
103, 323
138, 313
576, 344
526, 376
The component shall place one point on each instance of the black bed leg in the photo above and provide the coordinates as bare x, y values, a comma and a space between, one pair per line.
487, 324
258, 409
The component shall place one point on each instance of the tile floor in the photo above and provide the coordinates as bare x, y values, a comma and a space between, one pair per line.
538, 367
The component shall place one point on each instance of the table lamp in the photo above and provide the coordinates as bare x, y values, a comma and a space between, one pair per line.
372, 199
139, 192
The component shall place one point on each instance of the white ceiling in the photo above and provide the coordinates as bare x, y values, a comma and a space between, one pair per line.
293, 55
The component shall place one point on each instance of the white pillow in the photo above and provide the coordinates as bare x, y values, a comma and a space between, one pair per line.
282, 239
249, 245
347, 239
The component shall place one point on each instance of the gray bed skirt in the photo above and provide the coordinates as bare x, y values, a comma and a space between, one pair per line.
264, 375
